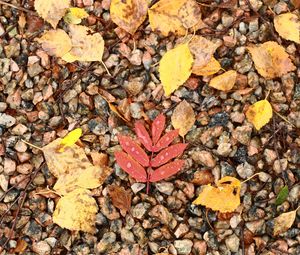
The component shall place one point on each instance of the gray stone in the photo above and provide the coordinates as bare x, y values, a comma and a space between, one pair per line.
140, 209
232, 243
106, 242
6, 120
245, 170
183, 246
165, 187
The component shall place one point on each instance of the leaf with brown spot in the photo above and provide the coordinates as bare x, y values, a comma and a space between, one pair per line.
189, 14
120, 197
284, 221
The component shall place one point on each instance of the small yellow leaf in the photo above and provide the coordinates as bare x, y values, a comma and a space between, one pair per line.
75, 15
224, 81
212, 67
183, 117
129, 14
271, 60
52, 10
86, 45
288, 26
224, 198
55, 42
72, 137
260, 113
76, 211
175, 68
283, 222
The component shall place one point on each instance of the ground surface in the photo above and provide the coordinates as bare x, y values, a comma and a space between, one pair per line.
41, 97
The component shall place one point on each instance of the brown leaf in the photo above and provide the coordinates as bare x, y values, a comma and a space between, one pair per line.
34, 24
203, 177
296, 3
99, 159
120, 197
21, 246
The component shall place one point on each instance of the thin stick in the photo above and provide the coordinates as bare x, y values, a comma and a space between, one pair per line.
17, 7
206, 216
251, 177
285, 119
32, 145
105, 68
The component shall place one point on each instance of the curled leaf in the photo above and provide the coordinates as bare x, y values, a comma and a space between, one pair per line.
166, 170
120, 197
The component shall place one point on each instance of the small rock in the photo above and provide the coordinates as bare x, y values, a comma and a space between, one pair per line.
134, 86
3, 182
19, 129
106, 242
136, 187
203, 177
165, 187
232, 243
6, 120
70, 94
256, 226
270, 156
25, 168
136, 110
9, 166
235, 221
136, 57
127, 236
243, 134
139, 210
41, 248
280, 165
161, 213
204, 157
224, 149
245, 170
20, 146
183, 246
181, 230
3, 106
34, 70
200, 247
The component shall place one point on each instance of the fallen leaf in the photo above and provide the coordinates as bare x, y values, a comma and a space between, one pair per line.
55, 42
129, 14
212, 67
282, 195
288, 26
163, 16
224, 198
175, 68
157, 127
183, 117
21, 246
202, 50
71, 138
271, 60
75, 15
189, 14
120, 197
224, 81
76, 211
166, 140
283, 222
260, 113
166, 170
99, 159
52, 10
86, 45
143, 135
22, 22
296, 3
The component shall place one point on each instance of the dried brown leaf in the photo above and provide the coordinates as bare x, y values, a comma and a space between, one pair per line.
120, 197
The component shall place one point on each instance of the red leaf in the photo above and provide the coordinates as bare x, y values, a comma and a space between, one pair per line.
130, 166
165, 140
167, 154
134, 150
157, 127
166, 170
143, 135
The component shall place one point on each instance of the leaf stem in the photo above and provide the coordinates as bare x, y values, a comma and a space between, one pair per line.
251, 177
32, 145
105, 68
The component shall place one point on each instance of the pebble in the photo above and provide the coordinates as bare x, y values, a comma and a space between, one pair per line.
134, 86
3, 106
233, 243
204, 158
136, 110
245, 170
165, 187
136, 57
6, 120
127, 236
184, 246
181, 230
41, 248
106, 242
136, 187
3, 182
34, 69
9, 166
19, 129
243, 134
161, 213
200, 247
140, 210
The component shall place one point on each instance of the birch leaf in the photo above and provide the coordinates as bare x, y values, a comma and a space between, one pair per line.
288, 26
75, 15
212, 67
130, 14
260, 113
52, 10
189, 14
175, 68
224, 198
71, 138
224, 81
183, 117
283, 222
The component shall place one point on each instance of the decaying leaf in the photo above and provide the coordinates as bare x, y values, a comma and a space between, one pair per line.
183, 117
76, 211
120, 197
130, 14
260, 113
189, 14
282, 195
75, 15
52, 10
55, 42
224, 81
283, 222
288, 26
86, 45
224, 198
271, 60
175, 68
212, 67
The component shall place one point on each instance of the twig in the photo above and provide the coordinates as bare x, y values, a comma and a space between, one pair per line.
17, 7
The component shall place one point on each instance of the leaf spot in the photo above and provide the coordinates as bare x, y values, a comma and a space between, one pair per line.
128, 165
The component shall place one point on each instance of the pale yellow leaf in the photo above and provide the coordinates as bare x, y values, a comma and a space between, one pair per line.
283, 222
212, 67
76, 211
271, 60
129, 14
224, 198
75, 15
260, 113
86, 45
52, 10
55, 42
224, 81
163, 16
183, 117
288, 26
175, 68
189, 14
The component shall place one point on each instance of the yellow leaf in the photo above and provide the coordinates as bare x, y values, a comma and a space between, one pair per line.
271, 60
260, 113
86, 45
55, 42
72, 137
129, 14
183, 117
76, 211
288, 26
52, 10
224, 198
189, 14
75, 15
212, 67
163, 16
224, 81
283, 222
175, 68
